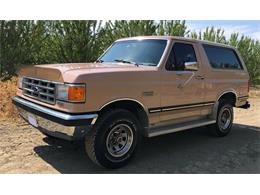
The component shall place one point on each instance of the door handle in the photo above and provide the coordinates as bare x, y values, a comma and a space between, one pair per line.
180, 86
199, 77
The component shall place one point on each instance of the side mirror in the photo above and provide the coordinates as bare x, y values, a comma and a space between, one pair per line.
192, 66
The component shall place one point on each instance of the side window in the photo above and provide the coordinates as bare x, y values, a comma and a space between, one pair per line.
222, 58
182, 57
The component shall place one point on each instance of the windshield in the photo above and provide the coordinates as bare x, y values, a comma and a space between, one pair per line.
138, 52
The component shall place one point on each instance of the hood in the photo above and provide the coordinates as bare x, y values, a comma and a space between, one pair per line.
66, 72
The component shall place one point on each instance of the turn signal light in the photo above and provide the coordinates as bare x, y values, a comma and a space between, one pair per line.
76, 93
71, 92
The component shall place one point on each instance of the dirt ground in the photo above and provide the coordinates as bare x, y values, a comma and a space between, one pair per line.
25, 150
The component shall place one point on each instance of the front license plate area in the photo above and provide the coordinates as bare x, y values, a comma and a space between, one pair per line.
32, 120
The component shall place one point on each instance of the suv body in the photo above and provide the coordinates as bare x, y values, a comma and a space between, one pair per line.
140, 86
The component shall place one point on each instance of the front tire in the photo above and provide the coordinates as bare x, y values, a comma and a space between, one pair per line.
113, 140
224, 120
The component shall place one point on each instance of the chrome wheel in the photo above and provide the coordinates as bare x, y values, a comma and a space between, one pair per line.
225, 118
119, 140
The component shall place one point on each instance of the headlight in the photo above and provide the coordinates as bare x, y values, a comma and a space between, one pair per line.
71, 92
20, 82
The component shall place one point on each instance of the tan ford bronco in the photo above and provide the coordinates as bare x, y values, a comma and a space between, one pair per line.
141, 86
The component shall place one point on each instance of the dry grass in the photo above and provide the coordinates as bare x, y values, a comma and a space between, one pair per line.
254, 92
7, 91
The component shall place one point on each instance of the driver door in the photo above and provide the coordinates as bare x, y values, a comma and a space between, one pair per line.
182, 84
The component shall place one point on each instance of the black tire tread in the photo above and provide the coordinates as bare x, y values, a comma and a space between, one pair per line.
91, 135
214, 128
89, 146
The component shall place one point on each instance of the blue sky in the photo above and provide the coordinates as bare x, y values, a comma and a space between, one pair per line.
246, 27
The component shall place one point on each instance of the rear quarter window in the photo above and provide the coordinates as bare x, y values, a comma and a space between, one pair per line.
222, 58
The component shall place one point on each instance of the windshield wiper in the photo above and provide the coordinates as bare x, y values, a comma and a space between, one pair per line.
99, 61
126, 62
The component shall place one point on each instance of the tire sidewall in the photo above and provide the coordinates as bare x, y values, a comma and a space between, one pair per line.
224, 105
102, 154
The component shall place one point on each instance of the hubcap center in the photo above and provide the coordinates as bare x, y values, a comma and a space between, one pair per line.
119, 140
225, 119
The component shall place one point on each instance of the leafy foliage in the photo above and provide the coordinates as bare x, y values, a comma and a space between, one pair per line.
74, 41
20, 43
172, 28
38, 42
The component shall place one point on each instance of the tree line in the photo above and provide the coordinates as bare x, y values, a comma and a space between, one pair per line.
43, 42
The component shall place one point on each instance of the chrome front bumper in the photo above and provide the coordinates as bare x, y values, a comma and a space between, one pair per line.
55, 123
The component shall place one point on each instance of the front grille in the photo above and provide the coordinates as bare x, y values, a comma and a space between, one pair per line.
41, 90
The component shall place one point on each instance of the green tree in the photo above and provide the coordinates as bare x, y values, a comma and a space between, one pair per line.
75, 41
250, 52
172, 28
210, 34
21, 42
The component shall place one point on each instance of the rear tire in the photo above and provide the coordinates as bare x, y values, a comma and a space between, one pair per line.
113, 140
224, 120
